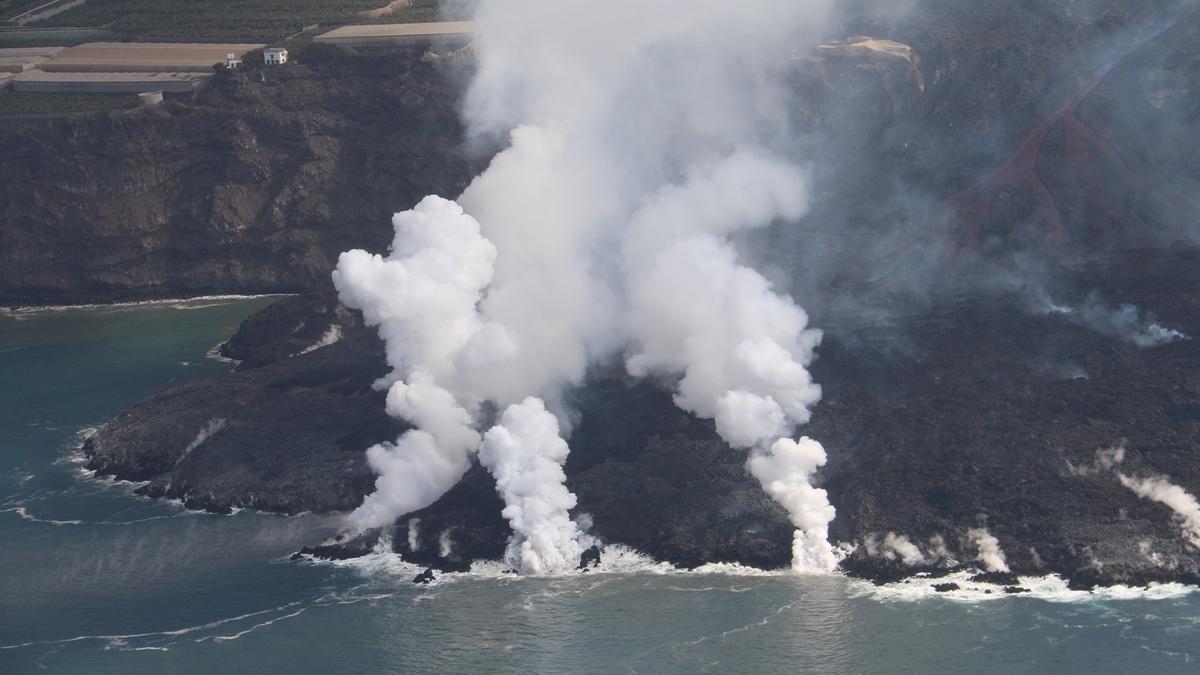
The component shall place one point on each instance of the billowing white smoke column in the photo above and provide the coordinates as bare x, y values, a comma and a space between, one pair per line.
785, 473
422, 297
898, 545
638, 135
1156, 488
525, 454
990, 553
741, 348
1174, 497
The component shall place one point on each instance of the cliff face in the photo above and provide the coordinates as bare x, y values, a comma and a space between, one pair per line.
262, 181
257, 186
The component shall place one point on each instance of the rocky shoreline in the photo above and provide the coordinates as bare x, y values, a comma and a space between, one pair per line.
913, 455
974, 408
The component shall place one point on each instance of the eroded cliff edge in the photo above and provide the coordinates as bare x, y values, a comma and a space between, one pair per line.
254, 187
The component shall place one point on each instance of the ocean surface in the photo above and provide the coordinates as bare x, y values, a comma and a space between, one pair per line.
95, 579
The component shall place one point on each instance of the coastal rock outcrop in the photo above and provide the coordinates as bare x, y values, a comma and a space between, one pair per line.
963, 416
974, 415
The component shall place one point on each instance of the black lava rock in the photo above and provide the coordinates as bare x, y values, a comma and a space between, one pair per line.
589, 558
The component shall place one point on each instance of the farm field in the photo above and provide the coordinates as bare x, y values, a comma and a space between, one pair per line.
228, 18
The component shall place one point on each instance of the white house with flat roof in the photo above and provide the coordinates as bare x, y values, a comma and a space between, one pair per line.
232, 60
275, 56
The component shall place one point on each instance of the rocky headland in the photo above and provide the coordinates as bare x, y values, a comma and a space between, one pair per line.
1005, 367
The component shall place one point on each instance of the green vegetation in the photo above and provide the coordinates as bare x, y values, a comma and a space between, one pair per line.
266, 19
8, 40
12, 102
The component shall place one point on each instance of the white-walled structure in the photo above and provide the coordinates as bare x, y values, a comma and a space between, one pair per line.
275, 56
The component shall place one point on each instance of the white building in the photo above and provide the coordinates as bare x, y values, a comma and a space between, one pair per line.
275, 56
232, 61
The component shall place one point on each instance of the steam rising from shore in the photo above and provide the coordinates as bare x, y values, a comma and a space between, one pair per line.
990, 553
638, 136
422, 297
1181, 502
525, 454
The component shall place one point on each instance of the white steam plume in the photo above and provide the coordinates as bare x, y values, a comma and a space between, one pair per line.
785, 473
1174, 497
1126, 322
422, 297
525, 454
214, 427
637, 155
990, 553
414, 534
900, 546
742, 349
937, 548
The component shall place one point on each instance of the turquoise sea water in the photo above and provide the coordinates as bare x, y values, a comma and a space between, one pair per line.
97, 580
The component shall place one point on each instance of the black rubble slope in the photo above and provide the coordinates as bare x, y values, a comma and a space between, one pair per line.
994, 419
987, 416
287, 437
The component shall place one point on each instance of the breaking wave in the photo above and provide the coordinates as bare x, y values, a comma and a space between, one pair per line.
620, 560
1050, 588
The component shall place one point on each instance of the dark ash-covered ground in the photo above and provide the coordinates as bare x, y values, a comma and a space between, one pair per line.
951, 402
987, 415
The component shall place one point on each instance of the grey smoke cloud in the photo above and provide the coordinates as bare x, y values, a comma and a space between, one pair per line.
1125, 322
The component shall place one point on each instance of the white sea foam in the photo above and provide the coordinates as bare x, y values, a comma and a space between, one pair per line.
619, 560
197, 302
163, 640
77, 459
616, 559
25, 515
216, 355
331, 336
1051, 588
122, 640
